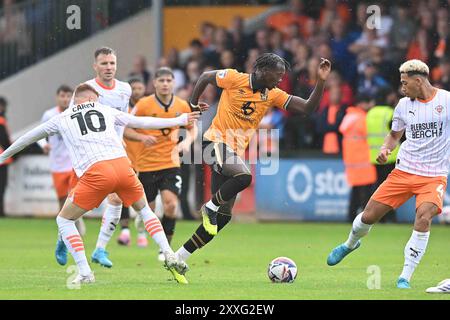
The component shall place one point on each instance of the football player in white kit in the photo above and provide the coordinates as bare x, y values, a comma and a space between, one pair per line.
421, 167
98, 157
116, 94
60, 165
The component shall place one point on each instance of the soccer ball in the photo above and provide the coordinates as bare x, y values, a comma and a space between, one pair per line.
282, 270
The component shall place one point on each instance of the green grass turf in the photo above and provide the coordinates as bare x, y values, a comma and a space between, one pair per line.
233, 266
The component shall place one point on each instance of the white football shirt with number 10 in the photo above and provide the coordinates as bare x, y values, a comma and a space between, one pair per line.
88, 131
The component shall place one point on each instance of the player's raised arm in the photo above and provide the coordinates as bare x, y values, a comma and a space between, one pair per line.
34, 135
126, 119
301, 105
208, 77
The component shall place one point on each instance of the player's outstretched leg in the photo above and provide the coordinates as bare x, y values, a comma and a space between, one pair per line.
417, 244
111, 218
153, 226
359, 230
442, 287
414, 250
74, 243
227, 191
61, 249
200, 237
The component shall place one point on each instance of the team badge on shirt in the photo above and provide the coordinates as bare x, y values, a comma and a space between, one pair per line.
264, 94
439, 109
222, 73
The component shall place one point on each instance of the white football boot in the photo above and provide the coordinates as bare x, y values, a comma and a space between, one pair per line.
442, 287
79, 279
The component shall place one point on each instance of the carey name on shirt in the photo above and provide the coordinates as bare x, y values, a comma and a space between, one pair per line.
426, 130
82, 107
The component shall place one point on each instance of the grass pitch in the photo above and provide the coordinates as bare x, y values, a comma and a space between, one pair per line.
232, 266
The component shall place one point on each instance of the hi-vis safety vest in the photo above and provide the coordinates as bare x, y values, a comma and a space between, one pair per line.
355, 149
378, 126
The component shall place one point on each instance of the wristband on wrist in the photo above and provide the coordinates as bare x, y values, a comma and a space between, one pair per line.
195, 107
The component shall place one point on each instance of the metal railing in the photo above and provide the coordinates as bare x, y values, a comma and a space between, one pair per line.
35, 29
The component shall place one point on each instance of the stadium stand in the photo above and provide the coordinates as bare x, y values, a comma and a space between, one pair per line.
364, 60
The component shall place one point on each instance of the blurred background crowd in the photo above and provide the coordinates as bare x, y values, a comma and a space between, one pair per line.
366, 51
365, 60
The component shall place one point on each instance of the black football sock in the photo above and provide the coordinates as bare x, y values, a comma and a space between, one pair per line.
168, 226
200, 237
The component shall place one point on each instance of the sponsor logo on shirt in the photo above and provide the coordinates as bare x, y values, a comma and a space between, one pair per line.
426, 130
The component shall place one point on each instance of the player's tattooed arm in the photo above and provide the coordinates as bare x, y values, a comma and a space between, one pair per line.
206, 78
301, 105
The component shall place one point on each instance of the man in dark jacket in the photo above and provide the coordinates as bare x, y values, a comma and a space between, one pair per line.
5, 142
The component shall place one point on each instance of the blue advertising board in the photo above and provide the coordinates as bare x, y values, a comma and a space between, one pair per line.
311, 190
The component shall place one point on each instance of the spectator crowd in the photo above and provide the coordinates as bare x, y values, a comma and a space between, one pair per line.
365, 58
366, 52
365, 55
31, 30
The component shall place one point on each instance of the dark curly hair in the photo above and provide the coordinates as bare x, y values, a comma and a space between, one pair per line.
270, 61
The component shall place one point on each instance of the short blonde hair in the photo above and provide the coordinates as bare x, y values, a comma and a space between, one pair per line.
415, 67
83, 88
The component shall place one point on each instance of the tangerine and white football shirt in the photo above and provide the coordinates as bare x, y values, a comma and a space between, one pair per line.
88, 131
426, 149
